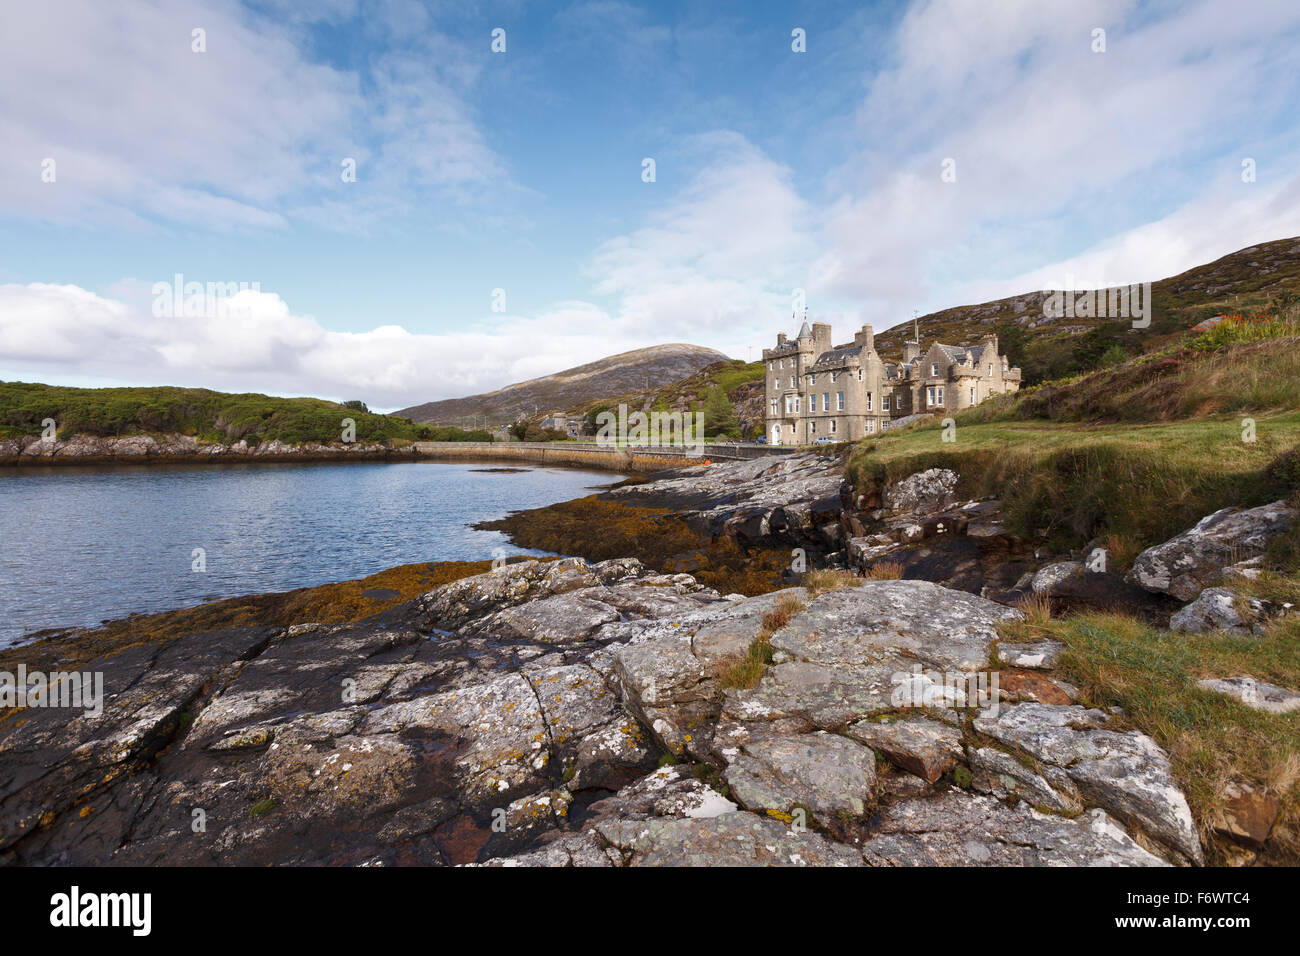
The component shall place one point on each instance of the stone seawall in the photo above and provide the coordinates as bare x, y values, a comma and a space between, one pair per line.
183, 449
587, 454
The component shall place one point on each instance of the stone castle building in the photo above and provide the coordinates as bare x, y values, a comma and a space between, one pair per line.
815, 390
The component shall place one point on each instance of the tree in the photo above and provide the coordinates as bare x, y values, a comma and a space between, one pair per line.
356, 405
719, 415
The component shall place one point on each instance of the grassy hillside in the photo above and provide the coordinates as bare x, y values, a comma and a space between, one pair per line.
1262, 276
741, 382
199, 412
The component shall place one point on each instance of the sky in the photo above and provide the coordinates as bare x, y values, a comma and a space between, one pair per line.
423, 199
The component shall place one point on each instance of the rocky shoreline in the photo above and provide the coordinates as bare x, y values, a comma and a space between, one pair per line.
185, 449
598, 712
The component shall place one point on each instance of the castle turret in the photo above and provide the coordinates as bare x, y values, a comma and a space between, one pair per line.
866, 338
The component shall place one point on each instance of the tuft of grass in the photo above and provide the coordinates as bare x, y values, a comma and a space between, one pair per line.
1037, 609
265, 805
884, 571
745, 670
820, 581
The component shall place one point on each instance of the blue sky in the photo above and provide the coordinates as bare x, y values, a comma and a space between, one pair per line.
522, 171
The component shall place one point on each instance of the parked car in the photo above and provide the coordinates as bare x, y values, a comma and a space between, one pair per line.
824, 440
760, 440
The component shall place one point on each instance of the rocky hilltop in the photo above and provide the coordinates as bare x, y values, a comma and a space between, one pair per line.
610, 377
606, 714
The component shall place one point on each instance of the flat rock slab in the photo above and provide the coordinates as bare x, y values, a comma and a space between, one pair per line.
959, 829
1034, 655
824, 773
732, 839
879, 619
1254, 693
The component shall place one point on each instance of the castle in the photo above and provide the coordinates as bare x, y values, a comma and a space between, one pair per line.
815, 390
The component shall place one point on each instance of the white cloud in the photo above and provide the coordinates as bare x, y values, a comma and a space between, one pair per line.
717, 260
142, 128
1055, 145
64, 334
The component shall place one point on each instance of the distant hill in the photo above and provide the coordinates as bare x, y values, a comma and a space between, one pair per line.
574, 388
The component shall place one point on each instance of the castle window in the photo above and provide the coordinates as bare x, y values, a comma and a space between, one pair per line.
868, 401
972, 394
812, 428
934, 370
884, 403
871, 425
812, 379
859, 375
826, 401
796, 404
832, 424
774, 407
990, 370
839, 401
812, 403
792, 381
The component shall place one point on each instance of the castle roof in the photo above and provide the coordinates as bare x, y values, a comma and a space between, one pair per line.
837, 356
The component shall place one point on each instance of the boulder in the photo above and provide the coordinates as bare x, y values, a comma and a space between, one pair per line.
1190, 562
922, 493
1221, 609
1255, 693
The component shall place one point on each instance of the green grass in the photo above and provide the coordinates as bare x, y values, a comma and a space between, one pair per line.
1211, 739
1181, 382
745, 670
200, 413
1071, 483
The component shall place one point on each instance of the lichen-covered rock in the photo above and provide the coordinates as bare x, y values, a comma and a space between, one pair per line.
921, 746
1126, 773
1035, 655
994, 771
957, 829
731, 839
1188, 563
851, 654
787, 498
827, 775
922, 493
667, 792
1220, 609
1255, 693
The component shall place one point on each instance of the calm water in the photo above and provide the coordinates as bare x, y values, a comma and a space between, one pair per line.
79, 546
